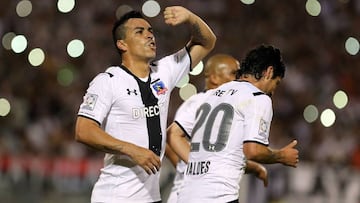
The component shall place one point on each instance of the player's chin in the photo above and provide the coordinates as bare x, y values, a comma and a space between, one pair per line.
150, 53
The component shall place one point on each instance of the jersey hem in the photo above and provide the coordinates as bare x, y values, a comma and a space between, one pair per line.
248, 141
80, 115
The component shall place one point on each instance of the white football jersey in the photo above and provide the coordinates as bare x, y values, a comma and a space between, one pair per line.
234, 113
131, 110
185, 119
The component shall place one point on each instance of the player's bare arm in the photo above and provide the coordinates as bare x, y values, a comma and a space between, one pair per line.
89, 132
171, 155
177, 141
287, 155
258, 170
202, 37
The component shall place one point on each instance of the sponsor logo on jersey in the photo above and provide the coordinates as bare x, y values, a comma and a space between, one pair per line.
145, 112
89, 101
159, 87
197, 168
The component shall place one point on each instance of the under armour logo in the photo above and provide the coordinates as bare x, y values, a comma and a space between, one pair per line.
129, 91
211, 147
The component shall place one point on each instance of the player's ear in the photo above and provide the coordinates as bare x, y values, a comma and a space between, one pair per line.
214, 79
269, 72
121, 45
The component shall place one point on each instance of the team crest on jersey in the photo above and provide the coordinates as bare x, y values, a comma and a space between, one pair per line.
90, 101
263, 127
159, 87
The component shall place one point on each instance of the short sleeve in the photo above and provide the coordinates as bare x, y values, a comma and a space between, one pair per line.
98, 98
258, 117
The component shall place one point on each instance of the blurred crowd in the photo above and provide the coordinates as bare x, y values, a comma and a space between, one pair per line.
37, 147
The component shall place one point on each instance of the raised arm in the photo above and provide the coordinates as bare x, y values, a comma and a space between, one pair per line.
287, 155
202, 39
89, 132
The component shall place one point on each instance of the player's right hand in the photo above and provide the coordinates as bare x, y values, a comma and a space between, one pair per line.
146, 159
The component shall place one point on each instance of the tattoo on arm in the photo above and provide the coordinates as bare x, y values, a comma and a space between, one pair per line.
197, 35
268, 157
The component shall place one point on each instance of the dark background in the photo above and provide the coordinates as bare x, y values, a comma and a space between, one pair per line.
40, 159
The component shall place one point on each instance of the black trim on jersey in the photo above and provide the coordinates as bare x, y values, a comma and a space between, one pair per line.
258, 93
90, 119
234, 201
183, 129
188, 51
110, 74
237, 80
152, 63
247, 141
155, 81
127, 70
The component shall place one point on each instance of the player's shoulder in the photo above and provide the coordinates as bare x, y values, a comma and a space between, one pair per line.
108, 75
174, 58
192, 101
253, 90
196, 97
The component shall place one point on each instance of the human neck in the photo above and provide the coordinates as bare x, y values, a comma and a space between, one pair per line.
139, 69
251, 79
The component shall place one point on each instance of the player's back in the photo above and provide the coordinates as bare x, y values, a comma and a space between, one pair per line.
216, 162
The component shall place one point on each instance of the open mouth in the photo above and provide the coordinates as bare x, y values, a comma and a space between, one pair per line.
152, 45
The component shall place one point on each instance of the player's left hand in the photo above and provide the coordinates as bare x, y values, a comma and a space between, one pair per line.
262, 174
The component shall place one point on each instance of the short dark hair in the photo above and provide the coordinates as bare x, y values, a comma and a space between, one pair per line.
259, 59
118, 31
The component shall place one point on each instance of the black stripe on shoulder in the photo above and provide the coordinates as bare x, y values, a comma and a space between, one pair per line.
90, 119
110, 74
188, 51
258, 93
182, 128
248, 141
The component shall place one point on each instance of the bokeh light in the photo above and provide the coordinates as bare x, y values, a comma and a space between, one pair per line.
197, 69
65, 76
36, 57
6, 40
23, 8
187, 91
313, 7
310, 113
4, 107
247, 2
327, 118
151, 8
352, 46
19, 43
121, 10
340, 99
184, 81
75, 48
65, 6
